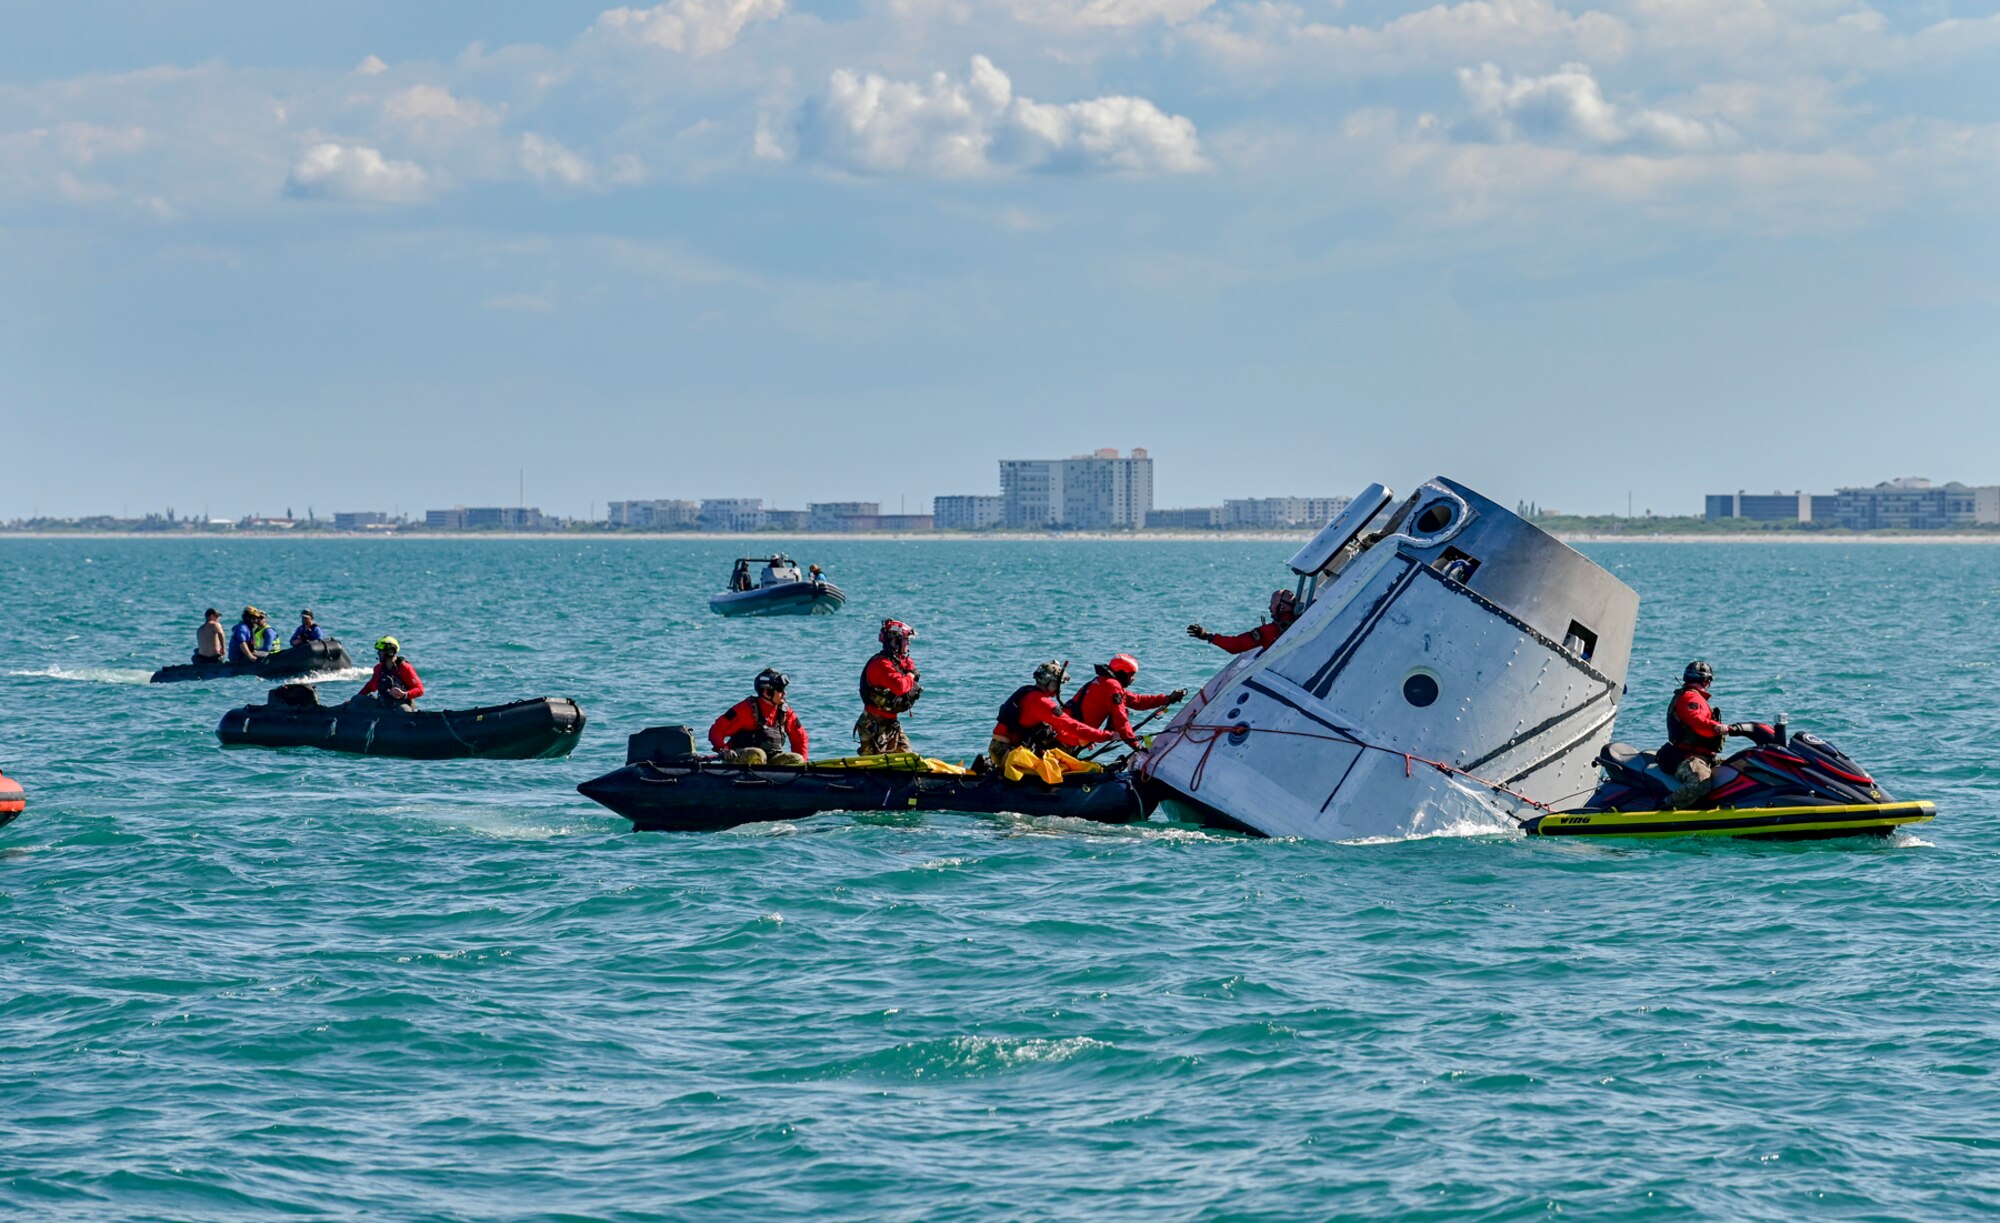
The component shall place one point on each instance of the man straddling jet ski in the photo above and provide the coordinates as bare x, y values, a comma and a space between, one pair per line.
1694, 736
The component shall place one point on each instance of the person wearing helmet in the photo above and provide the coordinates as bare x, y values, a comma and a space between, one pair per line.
1284, 610
1034, 717
265, 639
308, 629
1695, 734
395, 681
1102, 702
243, 638
761, 729
888, 688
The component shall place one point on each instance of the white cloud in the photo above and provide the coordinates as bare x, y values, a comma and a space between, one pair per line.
869, 124
1264, 33
1567, 107
434, 107
332, 171
696, 27
546, 160
1107, 14
371, 65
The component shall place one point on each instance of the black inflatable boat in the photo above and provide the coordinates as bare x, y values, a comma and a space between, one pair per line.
687, 793
523, 730
311, 658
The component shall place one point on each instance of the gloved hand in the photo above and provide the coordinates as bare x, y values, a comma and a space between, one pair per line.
399, 694
1176, 696
1134, 744
1745, 729
1197, 632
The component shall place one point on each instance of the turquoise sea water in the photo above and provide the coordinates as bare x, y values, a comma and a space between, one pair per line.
256, 984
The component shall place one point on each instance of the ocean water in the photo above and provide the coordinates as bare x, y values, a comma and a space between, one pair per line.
259, 984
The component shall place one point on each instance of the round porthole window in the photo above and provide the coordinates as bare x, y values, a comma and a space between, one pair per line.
1420, 689
1436, 518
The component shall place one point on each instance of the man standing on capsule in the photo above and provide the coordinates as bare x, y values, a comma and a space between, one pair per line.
888, 688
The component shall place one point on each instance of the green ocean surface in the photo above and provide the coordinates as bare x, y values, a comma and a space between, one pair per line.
253, 984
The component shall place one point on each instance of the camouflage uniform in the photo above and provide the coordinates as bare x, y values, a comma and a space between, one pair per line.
880, 736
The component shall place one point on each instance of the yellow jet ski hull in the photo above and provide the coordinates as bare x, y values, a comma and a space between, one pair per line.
1750, 823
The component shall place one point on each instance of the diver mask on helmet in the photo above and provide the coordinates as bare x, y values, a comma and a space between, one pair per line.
770, 679
1698, 672
1049, 676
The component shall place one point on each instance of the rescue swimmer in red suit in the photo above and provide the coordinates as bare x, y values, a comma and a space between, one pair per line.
1284, 611
1695, 736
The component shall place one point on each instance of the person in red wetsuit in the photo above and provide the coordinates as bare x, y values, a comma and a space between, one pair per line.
1102, 702
760, 728
1284, 611
1034, 717
395, 681
1695, 735
888, 688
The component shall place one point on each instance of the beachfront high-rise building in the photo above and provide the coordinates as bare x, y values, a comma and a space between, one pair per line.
1282, 513
969, 513
841, 515
659, 515
732, 514
1909, 504
1095, 492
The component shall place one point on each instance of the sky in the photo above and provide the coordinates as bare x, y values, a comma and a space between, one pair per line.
385, 255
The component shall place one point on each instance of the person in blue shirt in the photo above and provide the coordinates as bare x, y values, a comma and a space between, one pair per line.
308, 629
266, 637
243, 638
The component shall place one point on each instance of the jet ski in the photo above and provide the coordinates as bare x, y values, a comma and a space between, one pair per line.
13, 800
308, 658
780, 590
522, 730
666, 787
1785, 787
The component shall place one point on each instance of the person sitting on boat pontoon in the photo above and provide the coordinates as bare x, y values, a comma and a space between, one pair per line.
739, 577
1034, 718
1694, 737
308, 629
1284, 611
760, 729
243, 638
1102, 701
395, 682
209, 643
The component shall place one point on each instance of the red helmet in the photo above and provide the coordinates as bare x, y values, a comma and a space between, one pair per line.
1284, 603
1125, 665
894, 633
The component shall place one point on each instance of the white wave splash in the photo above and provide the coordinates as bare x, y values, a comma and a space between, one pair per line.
88, 675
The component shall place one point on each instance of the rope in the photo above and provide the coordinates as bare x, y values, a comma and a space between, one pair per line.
1214, 735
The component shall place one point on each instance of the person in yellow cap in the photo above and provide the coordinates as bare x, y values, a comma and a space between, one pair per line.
243, 638
395, 681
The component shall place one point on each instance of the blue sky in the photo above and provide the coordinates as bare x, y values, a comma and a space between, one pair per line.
376, 255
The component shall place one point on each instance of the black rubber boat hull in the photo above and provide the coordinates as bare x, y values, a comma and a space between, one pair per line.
312, 658
787, 599
524, 730
707, 797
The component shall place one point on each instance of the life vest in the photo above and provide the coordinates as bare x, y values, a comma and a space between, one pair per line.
1074, 706
882, 699
769, 736
1682, 736
1009, 721
264, 640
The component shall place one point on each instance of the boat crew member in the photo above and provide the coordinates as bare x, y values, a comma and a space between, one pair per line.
888, 688
1103, 701
265, 639
308, 629
1284, 611
243, 638
1694, 736
395, 681
209, 642
763, 728
1034, 718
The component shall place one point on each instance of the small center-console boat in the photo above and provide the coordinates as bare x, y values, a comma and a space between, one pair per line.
779, 590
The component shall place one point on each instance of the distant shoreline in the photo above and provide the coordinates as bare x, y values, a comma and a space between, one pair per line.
759, 545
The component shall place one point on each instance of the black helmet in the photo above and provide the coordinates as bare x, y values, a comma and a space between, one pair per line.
1698, 672
770, 679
